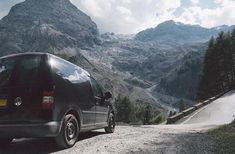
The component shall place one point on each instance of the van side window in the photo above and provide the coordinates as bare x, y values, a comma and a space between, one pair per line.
96, 88
67, 71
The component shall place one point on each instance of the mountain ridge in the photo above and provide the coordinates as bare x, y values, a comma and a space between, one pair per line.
180, 32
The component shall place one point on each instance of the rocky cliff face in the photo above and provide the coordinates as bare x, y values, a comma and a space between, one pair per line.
46, 25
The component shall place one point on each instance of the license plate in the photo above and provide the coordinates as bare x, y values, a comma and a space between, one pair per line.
3, 102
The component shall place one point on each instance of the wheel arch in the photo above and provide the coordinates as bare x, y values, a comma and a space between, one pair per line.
76, 114
75, 111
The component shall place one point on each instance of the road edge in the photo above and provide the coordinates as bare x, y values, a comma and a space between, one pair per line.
173, 119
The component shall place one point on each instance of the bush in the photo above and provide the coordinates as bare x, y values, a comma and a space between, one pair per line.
158, 119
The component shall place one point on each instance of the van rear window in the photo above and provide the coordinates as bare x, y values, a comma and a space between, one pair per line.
19, 70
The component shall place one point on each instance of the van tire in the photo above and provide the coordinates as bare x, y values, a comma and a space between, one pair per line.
111, 124
69, 132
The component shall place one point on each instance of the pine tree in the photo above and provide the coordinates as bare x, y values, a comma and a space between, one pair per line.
228, 62
147, 115
232, 48
207, 74
219, 66
124, 110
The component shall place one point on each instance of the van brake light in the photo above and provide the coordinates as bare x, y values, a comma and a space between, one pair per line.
47, 100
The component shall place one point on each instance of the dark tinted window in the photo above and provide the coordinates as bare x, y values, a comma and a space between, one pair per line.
96, 88
19, 70
6, 70
67, 71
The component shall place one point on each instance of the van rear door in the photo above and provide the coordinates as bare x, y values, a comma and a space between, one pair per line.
21, 88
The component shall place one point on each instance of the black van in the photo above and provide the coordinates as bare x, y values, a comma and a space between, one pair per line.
42, 95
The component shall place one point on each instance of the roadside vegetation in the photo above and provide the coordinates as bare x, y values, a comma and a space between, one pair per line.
136, 114
219, 66
224, 138
218, 76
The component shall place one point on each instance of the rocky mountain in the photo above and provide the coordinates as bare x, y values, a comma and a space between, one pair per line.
166, 61
46, 25
168, 71
58, 27
178, 32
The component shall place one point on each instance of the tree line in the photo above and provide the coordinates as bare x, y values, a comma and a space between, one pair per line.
218, 73
133, 113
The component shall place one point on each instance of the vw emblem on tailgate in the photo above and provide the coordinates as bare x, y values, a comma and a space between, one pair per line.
18, 101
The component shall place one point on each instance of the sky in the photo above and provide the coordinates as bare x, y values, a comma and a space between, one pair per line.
132, 16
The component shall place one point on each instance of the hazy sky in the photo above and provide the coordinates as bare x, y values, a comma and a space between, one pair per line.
131, 16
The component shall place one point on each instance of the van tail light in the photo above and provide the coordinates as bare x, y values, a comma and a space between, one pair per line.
48, 100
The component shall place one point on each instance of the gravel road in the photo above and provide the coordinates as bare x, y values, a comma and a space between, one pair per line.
126, 139
187, 137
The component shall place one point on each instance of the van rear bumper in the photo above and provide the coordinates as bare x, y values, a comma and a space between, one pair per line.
49, 129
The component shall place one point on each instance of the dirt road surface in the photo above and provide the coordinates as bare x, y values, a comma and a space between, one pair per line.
186, 137
126, 139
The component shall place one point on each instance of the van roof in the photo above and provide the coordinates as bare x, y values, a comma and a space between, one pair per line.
25, 53
41, 53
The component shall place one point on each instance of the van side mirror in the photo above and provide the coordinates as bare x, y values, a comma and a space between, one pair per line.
108, 95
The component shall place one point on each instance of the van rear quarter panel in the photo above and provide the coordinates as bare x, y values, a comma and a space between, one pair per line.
72, 96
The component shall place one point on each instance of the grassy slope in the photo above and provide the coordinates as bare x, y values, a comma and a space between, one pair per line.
224, 138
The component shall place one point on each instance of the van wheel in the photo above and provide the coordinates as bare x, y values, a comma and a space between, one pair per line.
111, 124
5, 141
69, 132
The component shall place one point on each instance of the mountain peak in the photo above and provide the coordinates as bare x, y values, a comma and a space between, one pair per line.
45, 25
168, 22
57, 1
44, 4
